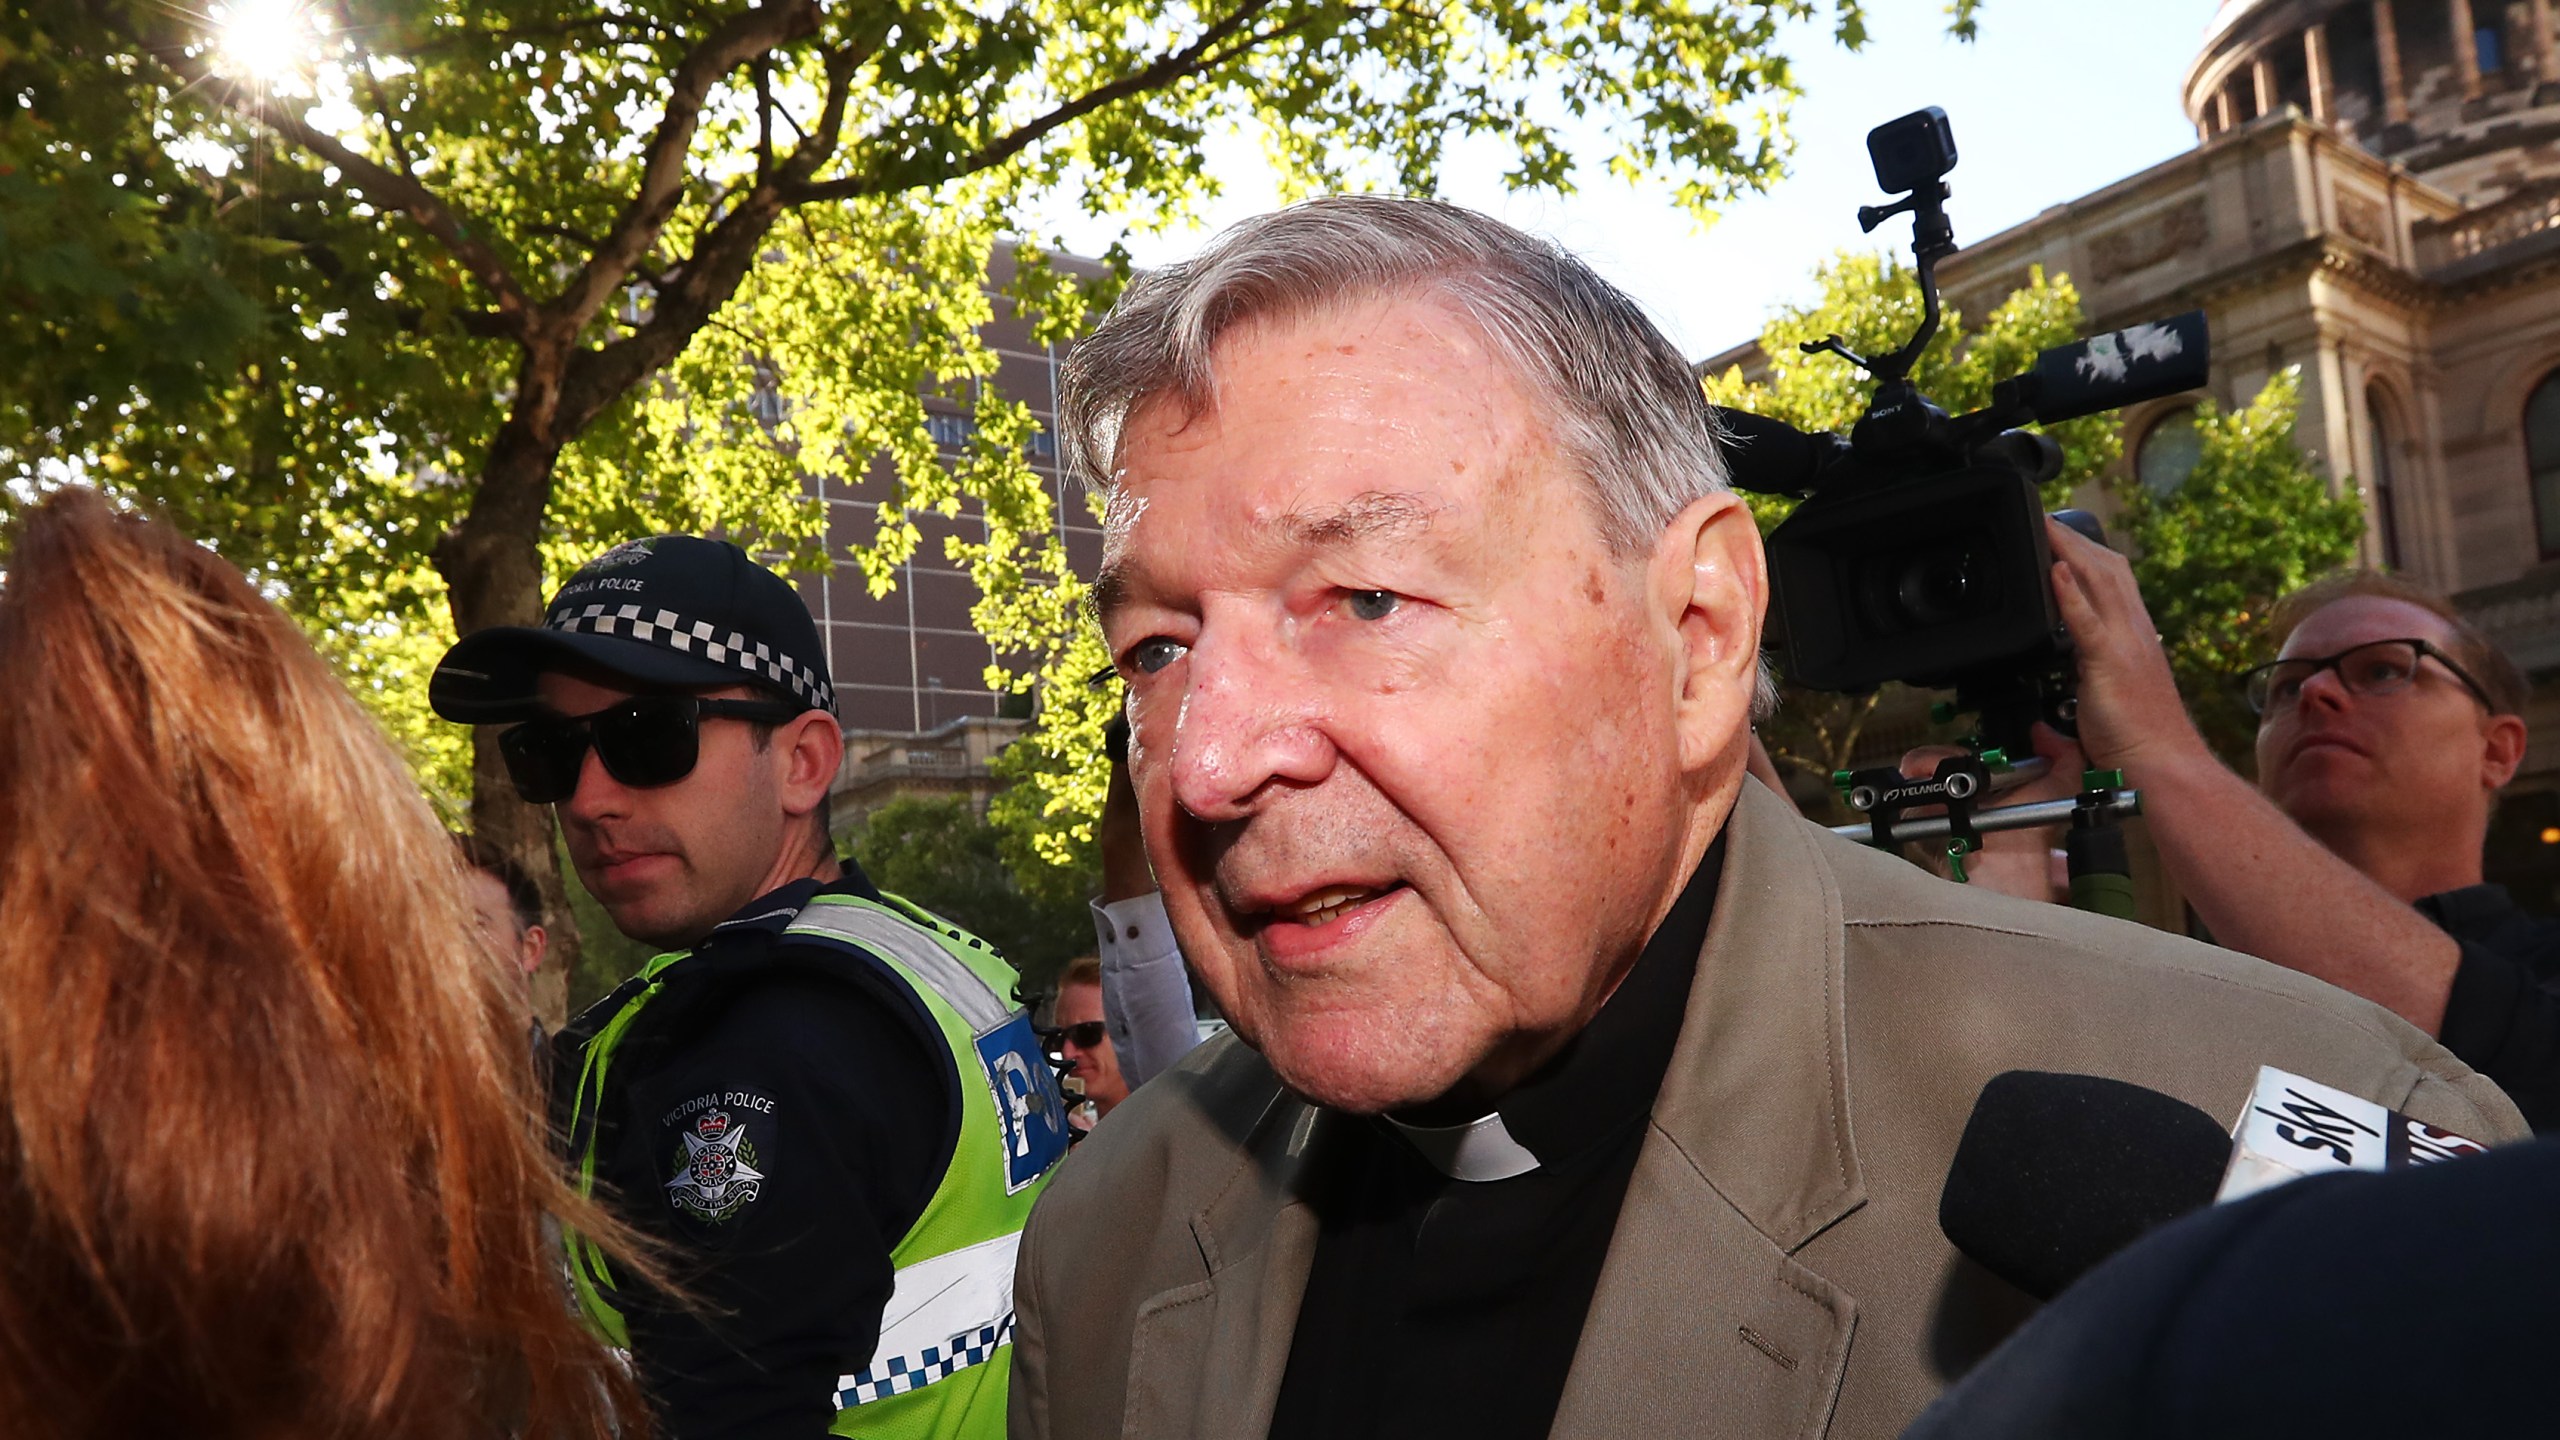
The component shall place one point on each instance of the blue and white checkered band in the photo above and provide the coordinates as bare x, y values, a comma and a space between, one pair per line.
757, 660
901, 1373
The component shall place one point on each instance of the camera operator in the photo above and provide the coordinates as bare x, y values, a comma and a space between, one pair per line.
2387, 726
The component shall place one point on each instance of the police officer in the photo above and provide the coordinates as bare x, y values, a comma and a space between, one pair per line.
818, 1096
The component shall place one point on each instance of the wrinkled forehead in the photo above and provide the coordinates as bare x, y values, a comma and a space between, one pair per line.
1365, 426
2357, 619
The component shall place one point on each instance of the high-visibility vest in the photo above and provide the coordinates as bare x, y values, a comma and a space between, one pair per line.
945, 1352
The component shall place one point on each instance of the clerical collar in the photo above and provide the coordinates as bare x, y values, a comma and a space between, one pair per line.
1481, 1149
1605, 1077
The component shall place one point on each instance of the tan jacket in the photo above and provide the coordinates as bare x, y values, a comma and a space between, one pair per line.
1777, 1268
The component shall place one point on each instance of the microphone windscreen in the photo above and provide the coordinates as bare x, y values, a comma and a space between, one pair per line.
2057, 1172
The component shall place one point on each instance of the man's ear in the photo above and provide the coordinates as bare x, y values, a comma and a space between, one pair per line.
2502, 750
813, 750
1711, 584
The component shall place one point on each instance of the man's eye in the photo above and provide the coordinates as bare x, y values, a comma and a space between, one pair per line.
1153, 654
1373, 604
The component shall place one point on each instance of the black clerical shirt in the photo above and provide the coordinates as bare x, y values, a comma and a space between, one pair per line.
1438, 1306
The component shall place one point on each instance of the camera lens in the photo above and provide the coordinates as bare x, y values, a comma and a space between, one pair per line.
1935, 585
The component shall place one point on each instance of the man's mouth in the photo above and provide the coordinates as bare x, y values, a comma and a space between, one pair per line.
613, 865
2326, 742
1320, 918
1323, 907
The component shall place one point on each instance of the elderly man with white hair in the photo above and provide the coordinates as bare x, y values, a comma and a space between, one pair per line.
1576, 1087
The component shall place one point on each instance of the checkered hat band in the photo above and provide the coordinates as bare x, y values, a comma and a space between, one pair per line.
755, 659
901, 1373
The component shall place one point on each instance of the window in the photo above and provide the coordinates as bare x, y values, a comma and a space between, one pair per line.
2168, 453
764, 398
951, 432
2386, 445
2542, 459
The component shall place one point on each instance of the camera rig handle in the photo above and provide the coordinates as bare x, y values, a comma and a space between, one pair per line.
1883, 793
2101, 878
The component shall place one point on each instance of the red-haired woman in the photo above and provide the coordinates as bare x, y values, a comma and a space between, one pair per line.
268, 1160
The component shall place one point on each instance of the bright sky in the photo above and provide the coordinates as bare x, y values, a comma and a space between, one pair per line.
2058, 98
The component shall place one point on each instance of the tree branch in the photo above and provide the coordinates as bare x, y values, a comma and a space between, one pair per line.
499, 39
570, 233
1193, 59
764, 119
394, 190
381, 102
697, 286
737, 40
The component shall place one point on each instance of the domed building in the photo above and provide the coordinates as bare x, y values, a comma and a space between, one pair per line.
2374, 196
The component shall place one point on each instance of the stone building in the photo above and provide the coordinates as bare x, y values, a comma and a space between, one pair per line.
2374, 196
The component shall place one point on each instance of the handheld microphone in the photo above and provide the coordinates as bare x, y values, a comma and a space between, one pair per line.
2056, 1172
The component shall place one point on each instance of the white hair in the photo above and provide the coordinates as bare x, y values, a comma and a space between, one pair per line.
1617, 398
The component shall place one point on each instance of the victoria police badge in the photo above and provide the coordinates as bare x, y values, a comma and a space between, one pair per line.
629, 552
716, 1174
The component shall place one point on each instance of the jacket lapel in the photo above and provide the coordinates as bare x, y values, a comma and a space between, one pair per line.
1701, 1326
1206, 1359
1703, 1323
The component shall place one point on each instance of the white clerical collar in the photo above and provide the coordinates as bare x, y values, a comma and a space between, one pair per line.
1478, 1150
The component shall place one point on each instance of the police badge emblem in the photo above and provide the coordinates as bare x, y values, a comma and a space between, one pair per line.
716, 1174
629, 552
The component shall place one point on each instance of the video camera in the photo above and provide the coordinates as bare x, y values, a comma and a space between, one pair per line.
1919, 551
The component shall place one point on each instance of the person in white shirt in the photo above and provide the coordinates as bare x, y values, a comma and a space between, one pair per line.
1146, 990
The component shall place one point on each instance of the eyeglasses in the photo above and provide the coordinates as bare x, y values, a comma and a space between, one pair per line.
2377, 667
645, 741
1084, 1035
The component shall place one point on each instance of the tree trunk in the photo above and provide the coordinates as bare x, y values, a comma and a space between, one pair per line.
492, 569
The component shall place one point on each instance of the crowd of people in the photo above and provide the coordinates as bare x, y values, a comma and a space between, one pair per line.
1567, 1081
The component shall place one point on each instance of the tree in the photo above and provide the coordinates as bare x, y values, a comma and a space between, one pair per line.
403, 303
937, 853
1872, 300
2253, 521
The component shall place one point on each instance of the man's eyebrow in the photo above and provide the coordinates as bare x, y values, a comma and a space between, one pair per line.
1379, 514
1110, 589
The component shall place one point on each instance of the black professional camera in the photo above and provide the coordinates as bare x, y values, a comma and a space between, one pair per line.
1919, 553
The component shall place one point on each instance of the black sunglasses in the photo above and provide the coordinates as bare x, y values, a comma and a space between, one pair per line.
645, 741
1087, 1035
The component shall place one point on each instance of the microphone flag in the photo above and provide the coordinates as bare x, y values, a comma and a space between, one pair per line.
2293, 1127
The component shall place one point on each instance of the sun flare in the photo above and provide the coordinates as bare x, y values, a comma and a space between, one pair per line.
268, 42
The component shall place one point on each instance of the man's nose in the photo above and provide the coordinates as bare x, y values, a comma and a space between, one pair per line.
1246, 727
2324, 688
599, 796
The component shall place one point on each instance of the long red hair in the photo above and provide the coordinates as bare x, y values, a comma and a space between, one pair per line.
269, 1157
